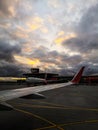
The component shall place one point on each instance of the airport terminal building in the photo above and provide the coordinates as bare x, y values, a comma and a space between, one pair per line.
35, 72
56, 78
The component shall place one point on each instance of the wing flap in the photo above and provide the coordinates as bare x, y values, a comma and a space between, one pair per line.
34, 96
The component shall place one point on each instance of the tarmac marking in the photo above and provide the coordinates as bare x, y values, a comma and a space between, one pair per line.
79, 122
48, 127
70, 123
56, 107
68, 107
48, 103
39, 117
59, 125
38, 106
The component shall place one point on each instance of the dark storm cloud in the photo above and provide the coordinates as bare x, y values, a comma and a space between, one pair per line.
89, 21
83, 44
93, 69
90, 68
8, 65
40, 52
44, 52
7, 50
8, 47
86, 42
10, 69
60, 60
72, 60
45, 55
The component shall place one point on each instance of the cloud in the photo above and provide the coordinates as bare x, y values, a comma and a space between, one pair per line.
7, 50
28, 61
89, 21
82, 44
86, 42
11, 69
31, 31
8, 65
53, 59
62, 37
7, 8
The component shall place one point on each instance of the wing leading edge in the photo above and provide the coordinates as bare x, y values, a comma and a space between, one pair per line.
32, 92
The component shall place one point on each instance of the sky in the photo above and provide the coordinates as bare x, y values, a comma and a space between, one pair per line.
55, 35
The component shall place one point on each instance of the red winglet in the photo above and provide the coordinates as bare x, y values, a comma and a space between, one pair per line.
77, 77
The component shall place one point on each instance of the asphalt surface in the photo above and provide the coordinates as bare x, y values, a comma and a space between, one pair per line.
68, 108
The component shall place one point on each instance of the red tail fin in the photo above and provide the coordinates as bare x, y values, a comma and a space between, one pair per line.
77, 77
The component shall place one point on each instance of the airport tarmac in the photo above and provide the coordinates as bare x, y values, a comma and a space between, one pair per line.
67, 108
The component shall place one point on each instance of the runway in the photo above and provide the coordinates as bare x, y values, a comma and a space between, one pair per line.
68, 108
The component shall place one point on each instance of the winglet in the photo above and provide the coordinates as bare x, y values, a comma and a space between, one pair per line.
78, 76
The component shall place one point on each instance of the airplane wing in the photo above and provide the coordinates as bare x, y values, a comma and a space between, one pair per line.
33, 92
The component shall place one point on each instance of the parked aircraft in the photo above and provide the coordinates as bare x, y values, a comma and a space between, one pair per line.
33, 92
34, 80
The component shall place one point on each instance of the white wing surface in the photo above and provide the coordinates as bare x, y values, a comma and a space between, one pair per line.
33, 92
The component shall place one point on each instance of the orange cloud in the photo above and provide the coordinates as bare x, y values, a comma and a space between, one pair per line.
61, 38
12, 10
27, 48
34, 26
45, 66
35, 23
44, 29
27, 61
20, 34
38, 19
61, 33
